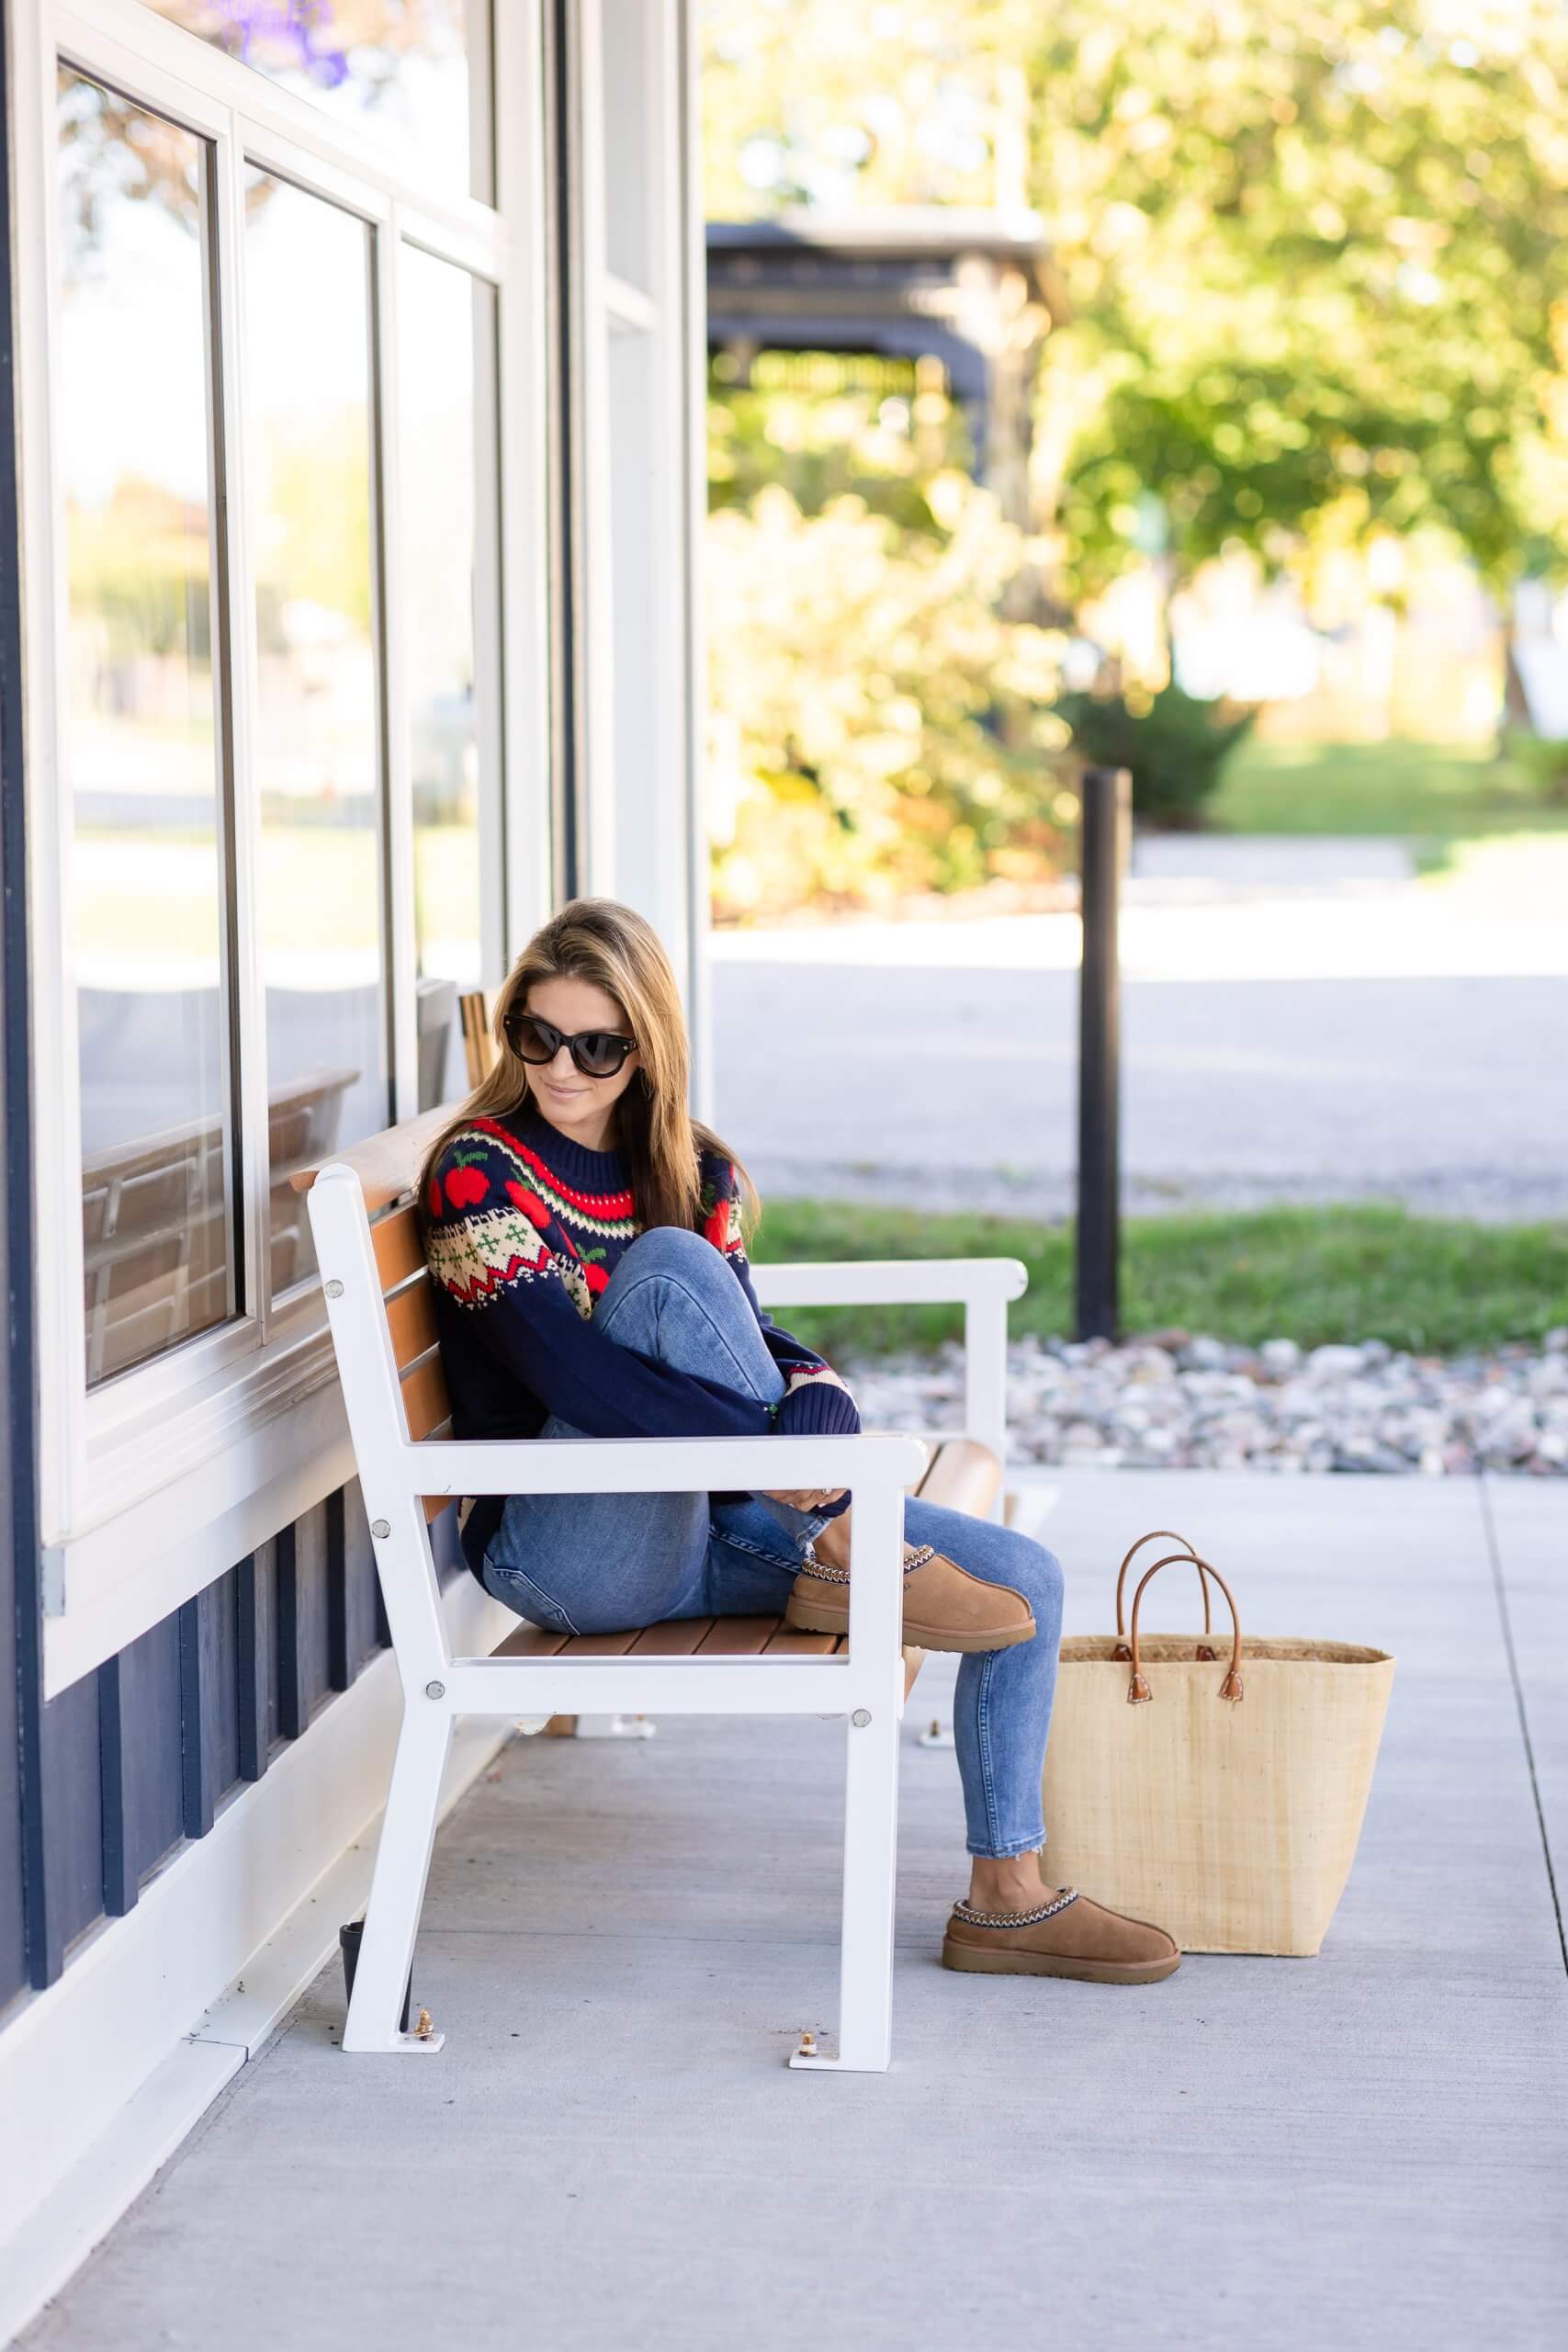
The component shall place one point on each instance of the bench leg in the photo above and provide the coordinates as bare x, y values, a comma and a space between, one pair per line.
397, 1888
871, 1796
871, 1849
865, 1967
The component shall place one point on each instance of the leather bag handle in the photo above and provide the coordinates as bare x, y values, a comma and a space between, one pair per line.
1138, 1691
1122, 1651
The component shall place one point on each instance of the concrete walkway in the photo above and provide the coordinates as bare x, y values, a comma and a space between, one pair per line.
622, 1941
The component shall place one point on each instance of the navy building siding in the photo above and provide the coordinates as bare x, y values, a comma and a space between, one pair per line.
141, 1754
99, 1786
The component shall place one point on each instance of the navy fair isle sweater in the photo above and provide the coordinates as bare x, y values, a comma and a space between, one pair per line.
523, 1228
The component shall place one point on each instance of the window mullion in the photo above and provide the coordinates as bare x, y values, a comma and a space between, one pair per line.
588, 490
56, 1047
244, 797
489, 636
522, 451
403, 955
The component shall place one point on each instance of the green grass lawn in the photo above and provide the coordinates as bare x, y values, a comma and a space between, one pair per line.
1428, 792
1437, 1286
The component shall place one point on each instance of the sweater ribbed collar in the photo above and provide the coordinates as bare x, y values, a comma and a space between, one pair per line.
583, 1171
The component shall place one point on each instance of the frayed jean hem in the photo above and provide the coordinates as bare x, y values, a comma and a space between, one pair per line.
1006, 1853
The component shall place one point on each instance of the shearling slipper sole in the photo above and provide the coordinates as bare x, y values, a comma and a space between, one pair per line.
1019, 1961
812, 1619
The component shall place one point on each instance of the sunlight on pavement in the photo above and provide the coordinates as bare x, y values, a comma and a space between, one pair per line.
1411, 931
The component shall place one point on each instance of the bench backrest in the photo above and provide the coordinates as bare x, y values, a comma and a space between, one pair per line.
476, 1008
383, 1321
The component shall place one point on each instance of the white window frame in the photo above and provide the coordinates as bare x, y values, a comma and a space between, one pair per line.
641, 679
143, 1476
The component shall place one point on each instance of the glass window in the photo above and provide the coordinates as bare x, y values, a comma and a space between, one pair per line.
447, 334
414, 73
317, 734
141, 741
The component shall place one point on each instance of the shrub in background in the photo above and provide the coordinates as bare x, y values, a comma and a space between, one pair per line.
1542, 760
1175, 744
880, 726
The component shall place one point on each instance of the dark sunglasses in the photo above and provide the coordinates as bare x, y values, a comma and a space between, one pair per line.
598, 1053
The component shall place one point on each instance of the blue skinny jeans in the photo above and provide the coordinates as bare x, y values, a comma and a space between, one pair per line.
586, 1564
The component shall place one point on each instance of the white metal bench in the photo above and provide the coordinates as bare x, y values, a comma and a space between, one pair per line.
381, 1311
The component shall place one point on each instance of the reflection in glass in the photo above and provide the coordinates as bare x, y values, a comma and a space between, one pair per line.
316, 733
414, 72
447, 321
140, 738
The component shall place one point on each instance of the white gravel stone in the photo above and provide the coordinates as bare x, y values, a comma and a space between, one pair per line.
1197, 1402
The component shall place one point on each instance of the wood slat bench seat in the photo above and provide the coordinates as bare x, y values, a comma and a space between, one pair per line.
676, 1637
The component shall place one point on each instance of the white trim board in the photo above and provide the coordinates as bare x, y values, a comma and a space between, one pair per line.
103, 2075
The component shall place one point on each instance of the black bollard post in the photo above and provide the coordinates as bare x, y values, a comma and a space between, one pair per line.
1104, 834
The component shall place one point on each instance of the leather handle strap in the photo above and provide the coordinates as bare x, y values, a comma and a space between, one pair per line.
1171, 1535
1138, 1691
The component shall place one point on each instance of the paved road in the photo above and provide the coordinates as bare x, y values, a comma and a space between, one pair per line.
1347, 1038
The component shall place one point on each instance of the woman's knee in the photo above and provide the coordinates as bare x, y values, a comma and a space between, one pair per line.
673, 1296
665, 1254
672, 1248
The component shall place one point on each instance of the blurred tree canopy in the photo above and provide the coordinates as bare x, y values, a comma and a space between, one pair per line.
1317, 249
1316, 254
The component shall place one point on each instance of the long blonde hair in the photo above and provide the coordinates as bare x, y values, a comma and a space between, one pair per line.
614, 948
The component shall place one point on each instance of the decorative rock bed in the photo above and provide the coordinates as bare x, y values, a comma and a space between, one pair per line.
1175, 1400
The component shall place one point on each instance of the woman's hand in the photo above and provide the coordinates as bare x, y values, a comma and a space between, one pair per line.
807, 1498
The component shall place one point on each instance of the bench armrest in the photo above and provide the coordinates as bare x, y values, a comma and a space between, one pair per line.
660, 1465
983, 1286
891, 1282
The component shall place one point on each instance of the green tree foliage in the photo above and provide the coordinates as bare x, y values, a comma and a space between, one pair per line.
827, 427
881, 720
1317, 249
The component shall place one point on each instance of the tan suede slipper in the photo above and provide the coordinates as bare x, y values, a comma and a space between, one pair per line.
945, 1608
1069, 1936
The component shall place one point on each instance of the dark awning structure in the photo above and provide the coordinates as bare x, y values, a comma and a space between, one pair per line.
975, 291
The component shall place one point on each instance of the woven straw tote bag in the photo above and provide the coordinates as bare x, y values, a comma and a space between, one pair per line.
1221, 1797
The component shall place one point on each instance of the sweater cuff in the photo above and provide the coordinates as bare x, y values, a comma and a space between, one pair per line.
817, 1408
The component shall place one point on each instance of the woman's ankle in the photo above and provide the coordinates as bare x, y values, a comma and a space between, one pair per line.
1008, 1883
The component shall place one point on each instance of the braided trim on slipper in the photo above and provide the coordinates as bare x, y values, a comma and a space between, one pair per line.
813, 1567
967, 1912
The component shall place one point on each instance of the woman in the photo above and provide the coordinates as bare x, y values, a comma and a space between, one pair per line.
586, 1237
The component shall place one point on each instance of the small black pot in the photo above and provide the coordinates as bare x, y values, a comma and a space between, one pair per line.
348, 1944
